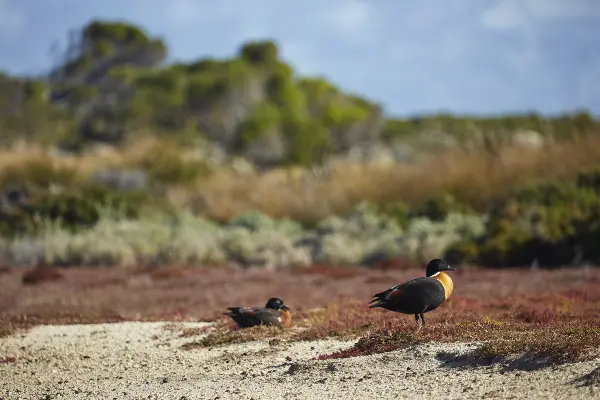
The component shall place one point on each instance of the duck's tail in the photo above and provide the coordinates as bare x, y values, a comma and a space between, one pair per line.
233, 311
380, 299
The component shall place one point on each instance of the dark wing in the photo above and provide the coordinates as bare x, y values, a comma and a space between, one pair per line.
269, 316
251, 316
412, 297
395, 293
244, 316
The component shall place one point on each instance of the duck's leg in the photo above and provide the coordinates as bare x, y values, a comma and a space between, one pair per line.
418, 327
423, 319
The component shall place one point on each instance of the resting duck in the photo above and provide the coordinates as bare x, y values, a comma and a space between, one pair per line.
419, 295
275, 313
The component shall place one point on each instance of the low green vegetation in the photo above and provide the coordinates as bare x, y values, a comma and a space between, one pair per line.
364, 236
548, 224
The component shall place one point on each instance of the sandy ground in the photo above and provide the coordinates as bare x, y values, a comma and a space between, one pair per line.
141, 360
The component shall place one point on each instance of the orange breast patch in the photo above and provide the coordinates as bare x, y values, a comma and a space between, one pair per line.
286, 318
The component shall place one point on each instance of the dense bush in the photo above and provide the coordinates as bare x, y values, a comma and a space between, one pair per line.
26, 211
549, 224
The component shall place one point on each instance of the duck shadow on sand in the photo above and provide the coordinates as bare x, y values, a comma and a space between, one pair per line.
590, 379
471, 359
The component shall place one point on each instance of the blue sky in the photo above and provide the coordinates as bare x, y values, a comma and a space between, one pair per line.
462, 56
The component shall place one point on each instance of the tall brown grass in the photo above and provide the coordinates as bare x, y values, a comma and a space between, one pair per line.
474, 176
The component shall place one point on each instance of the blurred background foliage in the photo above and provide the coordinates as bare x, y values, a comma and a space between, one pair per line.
280, 169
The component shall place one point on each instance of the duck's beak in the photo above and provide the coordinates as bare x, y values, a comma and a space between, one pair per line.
451, 268
284, 307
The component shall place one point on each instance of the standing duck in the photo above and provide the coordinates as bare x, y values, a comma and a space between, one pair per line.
275, 313
419, 295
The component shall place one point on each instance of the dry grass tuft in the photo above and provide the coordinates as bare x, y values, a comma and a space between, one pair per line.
558, 343
10, 326
555, 342
42, 274
224, 335
191, 332
184, 331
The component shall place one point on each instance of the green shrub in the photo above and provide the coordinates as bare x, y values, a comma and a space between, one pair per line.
166, 164
282, 89
307, 138
114, 32
255, 221
590, 180
398, 211
161, 239
425, 239
367, 235
73, 209
551, 224
462, 252
263, 119
438, 208
262, 53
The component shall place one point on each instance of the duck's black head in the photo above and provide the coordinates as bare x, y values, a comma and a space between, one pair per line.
276, 304
436, 265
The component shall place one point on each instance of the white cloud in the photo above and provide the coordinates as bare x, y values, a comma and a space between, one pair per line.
12, 19
349, 19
